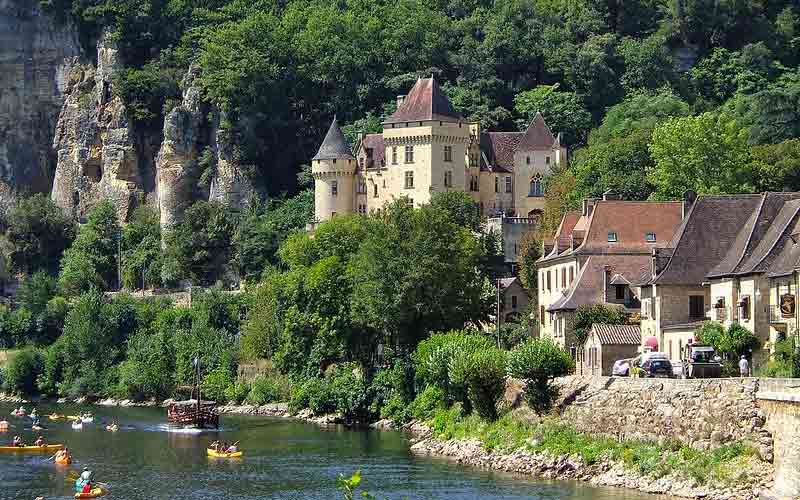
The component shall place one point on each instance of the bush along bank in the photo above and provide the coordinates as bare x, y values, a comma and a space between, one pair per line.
521, 442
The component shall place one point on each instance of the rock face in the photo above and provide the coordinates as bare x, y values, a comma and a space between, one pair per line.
37, 54
97, 158
196, 159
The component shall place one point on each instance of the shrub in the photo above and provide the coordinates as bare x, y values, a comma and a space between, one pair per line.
427, 403
432, 358
391, 391
482, 373
710, 333
732, 343
586, 316
237, 392
350, 392
537, 361
269, 388
314, 394
216, 382
21, 371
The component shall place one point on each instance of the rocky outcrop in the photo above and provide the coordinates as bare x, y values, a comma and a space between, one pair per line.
37, 54
197, 159
97, 157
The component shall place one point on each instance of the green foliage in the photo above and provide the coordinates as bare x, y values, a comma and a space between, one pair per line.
39, 232
530, 250
778, 166
707, 153
732, 343
513, 334
21, 371
141, 249
91, 261
586, 316
270, 388
216, 383
537, 361
785, 361
391, 391
563, 112
483, 373
427, 403
149, 368
314, 394
237, 392
199, 247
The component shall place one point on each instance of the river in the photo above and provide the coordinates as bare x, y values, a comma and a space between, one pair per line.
284, 459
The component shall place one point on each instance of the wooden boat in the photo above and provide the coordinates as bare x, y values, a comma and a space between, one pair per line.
194, 412
31, 449
217, 454
96, 492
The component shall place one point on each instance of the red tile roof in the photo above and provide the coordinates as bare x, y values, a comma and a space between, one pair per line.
497, 148
631, 221
425, 102
538, 136
617, 334
374, 142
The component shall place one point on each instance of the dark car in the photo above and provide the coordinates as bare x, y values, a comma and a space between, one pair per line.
657, 367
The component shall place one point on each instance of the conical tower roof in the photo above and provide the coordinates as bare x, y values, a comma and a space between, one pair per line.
335, 145
425, 102
538, 136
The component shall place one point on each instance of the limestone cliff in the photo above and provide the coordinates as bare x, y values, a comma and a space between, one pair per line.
36, 57
97, 158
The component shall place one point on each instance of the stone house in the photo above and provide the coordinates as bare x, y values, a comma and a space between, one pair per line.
514, 300
597, 256
604, 345
427, 147
731, 260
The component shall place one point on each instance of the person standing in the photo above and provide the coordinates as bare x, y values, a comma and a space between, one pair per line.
744, 367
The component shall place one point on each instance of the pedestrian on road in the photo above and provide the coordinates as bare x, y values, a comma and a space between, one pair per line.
744, 367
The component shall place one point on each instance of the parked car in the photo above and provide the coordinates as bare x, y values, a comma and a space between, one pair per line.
702, 362
621, 368
656, 365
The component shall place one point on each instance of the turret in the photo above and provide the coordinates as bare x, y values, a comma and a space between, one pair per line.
333, 168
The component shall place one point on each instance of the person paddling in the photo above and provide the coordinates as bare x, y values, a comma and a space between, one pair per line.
18, 442
232, 448
39, 441
84, 483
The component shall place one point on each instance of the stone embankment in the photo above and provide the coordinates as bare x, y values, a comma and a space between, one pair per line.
603, 473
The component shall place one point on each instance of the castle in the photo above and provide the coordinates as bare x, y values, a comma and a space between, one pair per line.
427, 147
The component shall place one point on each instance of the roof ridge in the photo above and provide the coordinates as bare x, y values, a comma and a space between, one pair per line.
757, 214
778, 237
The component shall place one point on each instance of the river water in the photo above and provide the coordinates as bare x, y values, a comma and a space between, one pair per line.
284, 459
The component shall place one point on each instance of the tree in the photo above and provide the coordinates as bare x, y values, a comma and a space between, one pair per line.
538, 361
707, 153
141, 249
39, 232
530, 250
91, 261
648, 64
778, 166
586, 316
563, 111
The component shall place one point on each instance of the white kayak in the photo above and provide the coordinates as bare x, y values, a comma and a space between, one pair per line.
77, 425
87, 420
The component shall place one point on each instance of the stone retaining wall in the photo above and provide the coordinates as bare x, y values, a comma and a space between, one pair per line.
701, 413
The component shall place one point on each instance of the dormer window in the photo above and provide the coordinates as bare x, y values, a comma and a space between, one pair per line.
547, 160
612, 237
650, 237
528, 160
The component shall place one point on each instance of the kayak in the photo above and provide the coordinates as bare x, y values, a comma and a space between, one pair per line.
87, 420
55, 416
65, 461
3, 424
216, 454
37, 428
77, 425
96, 492
47, 447
112, 428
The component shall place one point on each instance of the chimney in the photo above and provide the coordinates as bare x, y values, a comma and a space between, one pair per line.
588, 206
400, 100
689, 197
611, 195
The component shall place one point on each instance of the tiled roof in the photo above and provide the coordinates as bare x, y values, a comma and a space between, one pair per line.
588, 288
425, 102
563, 234
538, 136
705, 236
334, 146
787, 259
375, 142
631, 221
506, 282
498, 149
617, 334
756, 244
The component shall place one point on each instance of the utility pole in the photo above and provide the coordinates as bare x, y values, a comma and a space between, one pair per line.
497, 313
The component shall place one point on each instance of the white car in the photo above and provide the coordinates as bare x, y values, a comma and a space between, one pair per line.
621, 368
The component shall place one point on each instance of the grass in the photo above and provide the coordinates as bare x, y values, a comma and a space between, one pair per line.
516, 429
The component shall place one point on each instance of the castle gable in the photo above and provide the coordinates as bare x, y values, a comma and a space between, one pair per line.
538, 136
425, 102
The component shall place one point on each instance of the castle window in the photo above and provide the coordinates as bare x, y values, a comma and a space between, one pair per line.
547, 160
612, 236
394, 155
508, 184
375, 191
448, 179
650, 237
536, 186
473, 183
513, 302
334, 161
528, 160
448, 153
409, 184
334, 188
362, 186
496, 184
409, 154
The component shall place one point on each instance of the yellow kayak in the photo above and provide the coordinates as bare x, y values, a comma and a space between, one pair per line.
64, 461
216, 454
46, 447
96, 492
55, 416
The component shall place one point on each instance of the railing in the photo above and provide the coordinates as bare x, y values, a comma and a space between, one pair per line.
514, 220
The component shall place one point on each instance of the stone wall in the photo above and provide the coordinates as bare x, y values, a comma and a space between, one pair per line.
701, 413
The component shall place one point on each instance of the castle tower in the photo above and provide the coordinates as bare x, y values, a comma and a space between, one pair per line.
333, 168
537, 154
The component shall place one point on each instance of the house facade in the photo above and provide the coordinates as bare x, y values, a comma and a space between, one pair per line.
606, 344
514, 300
732, 260
597, 256
427, 147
